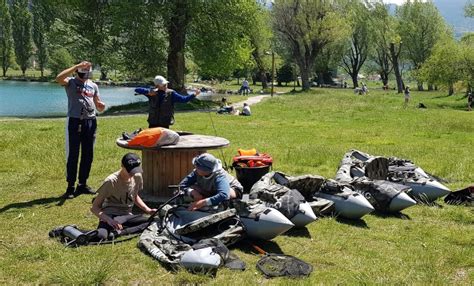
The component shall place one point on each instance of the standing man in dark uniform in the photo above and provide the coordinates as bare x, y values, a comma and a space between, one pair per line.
81, 125
161, 102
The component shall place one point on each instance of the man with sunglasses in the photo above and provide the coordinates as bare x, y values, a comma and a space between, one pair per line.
81, 125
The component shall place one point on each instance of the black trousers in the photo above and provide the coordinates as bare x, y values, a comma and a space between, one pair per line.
133, 225
80, 138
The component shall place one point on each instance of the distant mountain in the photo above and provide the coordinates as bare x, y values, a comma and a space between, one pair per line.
453, 13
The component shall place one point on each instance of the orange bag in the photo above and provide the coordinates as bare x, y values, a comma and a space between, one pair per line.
153, 137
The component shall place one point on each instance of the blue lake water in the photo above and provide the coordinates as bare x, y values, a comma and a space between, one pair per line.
48, 99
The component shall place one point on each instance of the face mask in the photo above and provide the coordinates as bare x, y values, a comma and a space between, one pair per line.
86, 75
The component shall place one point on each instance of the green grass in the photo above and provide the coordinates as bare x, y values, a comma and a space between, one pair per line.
305, 133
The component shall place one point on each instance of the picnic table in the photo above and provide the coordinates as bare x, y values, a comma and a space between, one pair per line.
167, 165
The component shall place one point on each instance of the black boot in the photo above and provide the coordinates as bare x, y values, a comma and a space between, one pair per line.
69, 194
84, 189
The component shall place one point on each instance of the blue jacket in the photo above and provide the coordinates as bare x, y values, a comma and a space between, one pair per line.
216, 187
161, 105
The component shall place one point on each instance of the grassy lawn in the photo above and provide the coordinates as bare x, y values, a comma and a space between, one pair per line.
305, 133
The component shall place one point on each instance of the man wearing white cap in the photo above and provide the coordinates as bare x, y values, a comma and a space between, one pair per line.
161, 102
81, 125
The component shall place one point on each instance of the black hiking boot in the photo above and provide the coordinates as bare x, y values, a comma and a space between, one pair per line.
69, 194
84, 189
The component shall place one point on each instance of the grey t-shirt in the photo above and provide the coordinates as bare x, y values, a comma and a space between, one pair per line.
81, 98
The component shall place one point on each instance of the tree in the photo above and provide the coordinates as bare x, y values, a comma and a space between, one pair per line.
383, 31
21, 23
395, 50
213, 32
305, 28
39, 34
285, 74
6, 40
467, 60
260, 33
469, 10
60, 59
443, 67
92, 19
218, 37
421, 26
140, 41
359, 40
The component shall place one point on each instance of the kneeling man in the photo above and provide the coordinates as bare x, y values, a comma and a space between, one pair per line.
209, 184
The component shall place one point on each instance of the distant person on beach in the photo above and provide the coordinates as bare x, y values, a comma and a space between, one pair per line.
407, 95
225, 107
83, 99
246, 110
161, 102
245, 88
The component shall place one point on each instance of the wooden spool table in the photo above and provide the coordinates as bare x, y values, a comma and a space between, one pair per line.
168, 165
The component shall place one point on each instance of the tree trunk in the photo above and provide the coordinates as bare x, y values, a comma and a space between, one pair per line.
384, 78
305, 78
103, 75
396, 69
261, 68
355, 81
420, 86
177, 28
451, 89
430, 87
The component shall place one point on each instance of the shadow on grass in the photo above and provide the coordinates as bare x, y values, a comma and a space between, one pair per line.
246, 246
298, 232
391, 215
354, 222
43, 201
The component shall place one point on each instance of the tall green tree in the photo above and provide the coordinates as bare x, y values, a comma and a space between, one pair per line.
305, 28
360, 40
210, 30
443, 67
467, 60
383, 32
6, 40
92, 20
260, 35
22, 24
218, 39
40, 32
421, 26
139, 35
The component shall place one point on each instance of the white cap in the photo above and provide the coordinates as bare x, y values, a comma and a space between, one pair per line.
160, 80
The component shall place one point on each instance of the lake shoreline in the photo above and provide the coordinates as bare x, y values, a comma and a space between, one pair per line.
98, 82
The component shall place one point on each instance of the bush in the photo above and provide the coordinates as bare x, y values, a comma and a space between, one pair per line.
59, 60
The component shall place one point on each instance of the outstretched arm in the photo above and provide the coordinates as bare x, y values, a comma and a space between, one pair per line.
61, 78
184, 98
